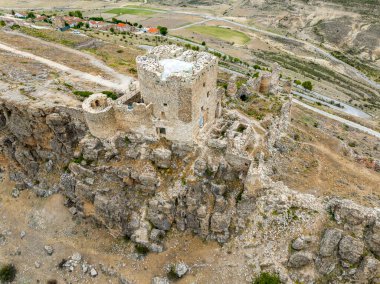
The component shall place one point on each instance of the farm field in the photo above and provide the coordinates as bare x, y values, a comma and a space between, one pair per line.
131, 11
221, 33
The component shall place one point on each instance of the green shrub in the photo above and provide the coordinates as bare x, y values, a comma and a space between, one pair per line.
307, 85
297, 82
141, 249
2, 24
78, 160
15, 27
84, 94
76, 14
110, 94
163, 30
7, 273
352, 144
267, 278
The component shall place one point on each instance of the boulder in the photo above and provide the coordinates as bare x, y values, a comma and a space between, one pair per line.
157, 235
368, 269
218, 189
49, 250
351, 249
347, 212
200, 167
162, 157
180, 269
325, 265
330, 241
301, 243
160, 280
300, 259
372, 238
220, 222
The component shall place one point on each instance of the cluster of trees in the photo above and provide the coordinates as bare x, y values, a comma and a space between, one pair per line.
307, 84
76, 14
163, 30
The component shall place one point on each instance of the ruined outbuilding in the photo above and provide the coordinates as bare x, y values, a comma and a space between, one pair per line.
176, 97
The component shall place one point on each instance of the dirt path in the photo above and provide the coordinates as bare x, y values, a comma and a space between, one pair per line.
79, 74
190, 25
93, 60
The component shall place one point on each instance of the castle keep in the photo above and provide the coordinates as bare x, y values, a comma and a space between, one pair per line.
176, 97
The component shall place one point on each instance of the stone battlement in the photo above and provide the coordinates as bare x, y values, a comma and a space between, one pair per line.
170, 61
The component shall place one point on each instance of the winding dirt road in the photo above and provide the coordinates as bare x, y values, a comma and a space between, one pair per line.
120, 86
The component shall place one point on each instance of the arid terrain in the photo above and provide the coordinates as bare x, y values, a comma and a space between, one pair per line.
283, 186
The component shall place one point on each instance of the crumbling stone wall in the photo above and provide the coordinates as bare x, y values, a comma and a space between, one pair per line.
175, 104
186, 100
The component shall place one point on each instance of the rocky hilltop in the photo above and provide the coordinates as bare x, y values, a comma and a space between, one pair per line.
145, 189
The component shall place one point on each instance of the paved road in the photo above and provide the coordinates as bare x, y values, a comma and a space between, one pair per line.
326, 101
70, 71
339, 119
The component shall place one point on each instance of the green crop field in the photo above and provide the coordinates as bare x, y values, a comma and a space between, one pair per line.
221, 33
131, 11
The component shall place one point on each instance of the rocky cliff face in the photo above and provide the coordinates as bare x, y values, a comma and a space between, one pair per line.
143, 189
39, 141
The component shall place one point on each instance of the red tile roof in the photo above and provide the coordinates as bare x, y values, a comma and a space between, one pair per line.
153, 30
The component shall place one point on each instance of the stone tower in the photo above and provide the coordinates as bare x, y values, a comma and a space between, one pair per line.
181, 86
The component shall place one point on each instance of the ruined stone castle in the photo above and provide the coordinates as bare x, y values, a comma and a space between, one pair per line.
176, 98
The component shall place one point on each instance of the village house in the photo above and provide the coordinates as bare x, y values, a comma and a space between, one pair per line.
72, 21
20, 15
153, 30
40, 18
100, 25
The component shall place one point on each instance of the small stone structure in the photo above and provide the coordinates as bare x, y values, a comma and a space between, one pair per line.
177, 97
266, 83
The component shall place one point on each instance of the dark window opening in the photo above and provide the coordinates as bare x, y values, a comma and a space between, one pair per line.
241, 128
204, 84
208, 94
3, 120
244, 98
165, 104
162, 130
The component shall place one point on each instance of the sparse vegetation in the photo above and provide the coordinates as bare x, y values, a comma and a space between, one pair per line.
110, 94
267, 278
83, 94
141, 249
7, 273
